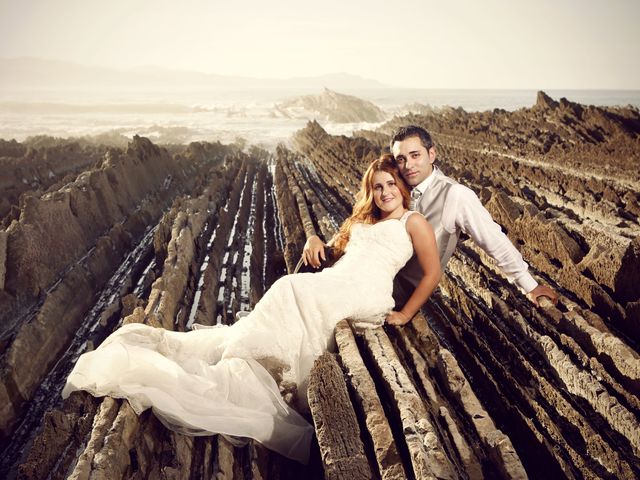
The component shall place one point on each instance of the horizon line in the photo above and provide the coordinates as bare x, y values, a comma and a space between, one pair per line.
382, 85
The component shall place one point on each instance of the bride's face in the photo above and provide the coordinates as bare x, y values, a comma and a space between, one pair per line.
386, 194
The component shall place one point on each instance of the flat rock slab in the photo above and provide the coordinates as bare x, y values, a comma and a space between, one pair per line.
337, 429
428, 457
366, 396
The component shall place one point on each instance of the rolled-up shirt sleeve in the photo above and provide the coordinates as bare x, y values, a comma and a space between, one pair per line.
463, 211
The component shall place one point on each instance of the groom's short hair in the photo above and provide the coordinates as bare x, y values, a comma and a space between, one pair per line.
412, 131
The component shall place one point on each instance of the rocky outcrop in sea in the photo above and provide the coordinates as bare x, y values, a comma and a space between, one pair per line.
331, 106
480, 385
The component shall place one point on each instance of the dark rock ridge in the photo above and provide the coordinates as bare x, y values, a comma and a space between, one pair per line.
70, 256
481, 385
331, 106
26, 168
79, 212
212, 253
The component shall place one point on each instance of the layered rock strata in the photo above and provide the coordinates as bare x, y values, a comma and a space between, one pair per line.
481, 384
79, 290
187, 246
28, 168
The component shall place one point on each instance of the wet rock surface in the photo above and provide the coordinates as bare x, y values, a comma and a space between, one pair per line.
480, 384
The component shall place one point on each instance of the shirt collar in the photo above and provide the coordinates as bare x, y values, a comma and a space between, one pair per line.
426, 183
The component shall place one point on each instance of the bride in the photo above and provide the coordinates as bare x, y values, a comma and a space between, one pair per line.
225, 379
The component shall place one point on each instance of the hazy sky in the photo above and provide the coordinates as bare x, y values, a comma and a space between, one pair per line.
410, 43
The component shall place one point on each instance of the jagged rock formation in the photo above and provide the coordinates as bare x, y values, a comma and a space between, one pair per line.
331, 106
50, 278
421, 109
212, 253
70, 257
26, 168
117, 432
481, 385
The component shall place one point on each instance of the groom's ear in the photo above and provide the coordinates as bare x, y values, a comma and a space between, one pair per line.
432, 154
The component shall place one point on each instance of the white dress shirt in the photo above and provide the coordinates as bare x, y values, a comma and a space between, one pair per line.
463, 212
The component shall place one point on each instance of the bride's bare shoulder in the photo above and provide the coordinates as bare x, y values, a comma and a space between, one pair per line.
416, 223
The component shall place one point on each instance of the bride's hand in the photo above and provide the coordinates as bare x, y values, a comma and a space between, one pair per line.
397, 318
313, 251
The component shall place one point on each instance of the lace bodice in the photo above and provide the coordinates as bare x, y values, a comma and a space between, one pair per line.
380, 249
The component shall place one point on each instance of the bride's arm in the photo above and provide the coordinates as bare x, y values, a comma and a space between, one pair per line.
424, 245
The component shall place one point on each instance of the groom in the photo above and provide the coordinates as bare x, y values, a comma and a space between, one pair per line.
451, 209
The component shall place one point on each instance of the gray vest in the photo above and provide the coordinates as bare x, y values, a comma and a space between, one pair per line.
431, 205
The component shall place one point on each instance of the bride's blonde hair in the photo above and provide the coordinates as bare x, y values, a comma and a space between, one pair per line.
365, 209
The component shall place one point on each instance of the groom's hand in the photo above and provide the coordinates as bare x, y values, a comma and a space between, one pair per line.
540, 291
313, 251
397, 318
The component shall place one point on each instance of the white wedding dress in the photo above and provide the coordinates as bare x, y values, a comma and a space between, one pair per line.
219, 380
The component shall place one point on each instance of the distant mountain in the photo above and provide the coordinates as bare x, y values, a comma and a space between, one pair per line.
332, 106
33, 73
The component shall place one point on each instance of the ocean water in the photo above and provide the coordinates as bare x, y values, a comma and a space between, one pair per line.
226, 115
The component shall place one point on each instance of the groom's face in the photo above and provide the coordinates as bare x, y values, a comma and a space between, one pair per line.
414, 160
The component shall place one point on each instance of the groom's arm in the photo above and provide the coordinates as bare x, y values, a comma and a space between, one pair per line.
463, 210
313, 251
